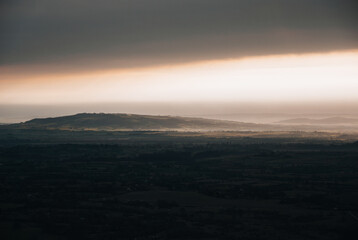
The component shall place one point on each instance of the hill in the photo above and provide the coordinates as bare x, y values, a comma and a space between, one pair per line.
332, 120
101, 121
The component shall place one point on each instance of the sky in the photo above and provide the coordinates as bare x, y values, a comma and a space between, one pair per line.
131, 51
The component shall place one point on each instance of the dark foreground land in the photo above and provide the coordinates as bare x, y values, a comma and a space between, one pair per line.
178, 189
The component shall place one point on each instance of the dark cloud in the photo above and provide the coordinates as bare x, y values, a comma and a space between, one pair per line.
122, 33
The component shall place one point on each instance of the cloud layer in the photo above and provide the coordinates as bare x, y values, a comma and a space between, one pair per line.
76, 35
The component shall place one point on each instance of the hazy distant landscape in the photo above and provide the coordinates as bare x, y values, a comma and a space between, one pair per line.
135, 122
259, 113
86, 121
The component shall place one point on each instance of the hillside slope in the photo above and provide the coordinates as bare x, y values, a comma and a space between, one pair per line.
101, 121
332, 120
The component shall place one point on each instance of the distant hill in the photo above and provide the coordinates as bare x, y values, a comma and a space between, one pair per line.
332, 120
101, 121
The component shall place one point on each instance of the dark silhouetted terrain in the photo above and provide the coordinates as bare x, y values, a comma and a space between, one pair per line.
59, 183
179, 190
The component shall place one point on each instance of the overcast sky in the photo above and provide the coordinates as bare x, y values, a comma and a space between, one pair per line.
87, 34
178, 51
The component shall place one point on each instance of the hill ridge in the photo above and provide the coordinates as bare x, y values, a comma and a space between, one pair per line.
125, 121
329, 120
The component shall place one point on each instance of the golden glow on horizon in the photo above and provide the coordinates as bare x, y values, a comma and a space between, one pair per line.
310, 77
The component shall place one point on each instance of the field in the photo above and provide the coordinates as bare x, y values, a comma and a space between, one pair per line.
177, 186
